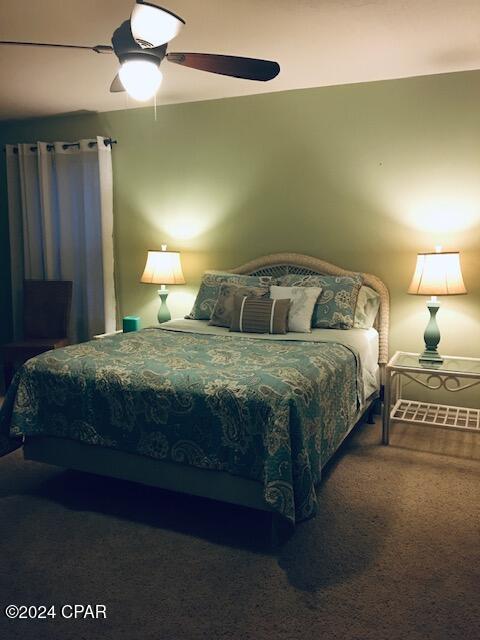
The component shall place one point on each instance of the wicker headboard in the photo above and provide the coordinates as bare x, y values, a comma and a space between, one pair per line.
280, 264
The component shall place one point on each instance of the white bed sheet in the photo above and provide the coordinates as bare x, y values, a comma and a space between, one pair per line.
364, 341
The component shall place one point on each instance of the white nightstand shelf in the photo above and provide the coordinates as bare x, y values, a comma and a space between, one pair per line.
454, 374
436, 415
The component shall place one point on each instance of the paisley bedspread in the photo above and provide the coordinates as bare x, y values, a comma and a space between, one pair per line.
270, 411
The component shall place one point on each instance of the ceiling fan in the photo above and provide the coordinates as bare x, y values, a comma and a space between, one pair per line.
140, 45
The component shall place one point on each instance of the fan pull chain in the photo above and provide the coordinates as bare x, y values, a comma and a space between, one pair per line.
155, 106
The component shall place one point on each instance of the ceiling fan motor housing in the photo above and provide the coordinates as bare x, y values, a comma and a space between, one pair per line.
127, 48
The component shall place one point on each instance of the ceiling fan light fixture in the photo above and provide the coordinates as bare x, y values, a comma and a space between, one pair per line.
153, 26
141, 79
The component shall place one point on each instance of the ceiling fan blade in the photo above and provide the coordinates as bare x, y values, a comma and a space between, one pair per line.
235, 66
153, 26
98, 48
116, 86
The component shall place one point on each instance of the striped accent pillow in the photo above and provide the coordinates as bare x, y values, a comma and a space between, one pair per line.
222, 311
259, 315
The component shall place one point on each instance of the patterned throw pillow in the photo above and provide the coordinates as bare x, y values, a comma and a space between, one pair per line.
367, 308
259, 315
210, 288
303, 301
335, 308
222, 311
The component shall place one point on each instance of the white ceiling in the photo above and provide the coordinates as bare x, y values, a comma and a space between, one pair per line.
316, 42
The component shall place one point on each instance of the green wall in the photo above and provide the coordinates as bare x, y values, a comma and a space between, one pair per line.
362, 175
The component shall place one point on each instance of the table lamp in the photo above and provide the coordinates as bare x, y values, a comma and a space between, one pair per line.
163, 267
436, 274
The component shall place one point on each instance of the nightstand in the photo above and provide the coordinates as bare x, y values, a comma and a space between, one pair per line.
453, 375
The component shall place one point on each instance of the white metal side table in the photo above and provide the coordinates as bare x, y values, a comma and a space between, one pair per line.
453, 375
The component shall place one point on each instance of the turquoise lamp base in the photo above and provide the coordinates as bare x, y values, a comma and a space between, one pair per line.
431, 357
163, 312
432, 337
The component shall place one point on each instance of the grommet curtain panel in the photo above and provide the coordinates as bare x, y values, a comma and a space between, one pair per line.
60, 203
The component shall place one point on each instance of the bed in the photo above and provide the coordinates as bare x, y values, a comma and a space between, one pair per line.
246, 419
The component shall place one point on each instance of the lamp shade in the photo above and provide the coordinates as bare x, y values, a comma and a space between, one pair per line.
437, 274
163, 267
152, 26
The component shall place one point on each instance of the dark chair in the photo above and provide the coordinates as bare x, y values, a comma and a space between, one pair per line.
46, 316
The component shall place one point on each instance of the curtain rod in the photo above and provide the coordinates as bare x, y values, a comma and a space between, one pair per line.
107, 142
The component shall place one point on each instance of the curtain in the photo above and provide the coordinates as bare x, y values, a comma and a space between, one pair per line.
60, 205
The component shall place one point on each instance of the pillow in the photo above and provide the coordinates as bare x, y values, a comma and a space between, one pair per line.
210, 288
303, 302
335, 308
222, 311
259, 315
368, 304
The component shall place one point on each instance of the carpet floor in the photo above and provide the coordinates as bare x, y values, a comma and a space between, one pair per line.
394, 552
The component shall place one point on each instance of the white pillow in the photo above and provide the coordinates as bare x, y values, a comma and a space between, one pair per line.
301, 309
367, 308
